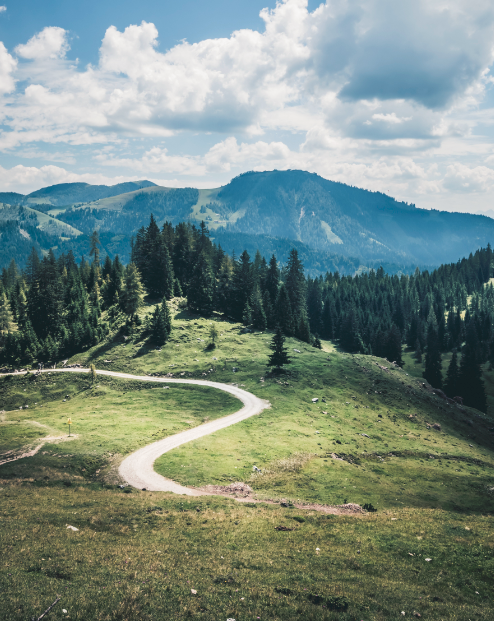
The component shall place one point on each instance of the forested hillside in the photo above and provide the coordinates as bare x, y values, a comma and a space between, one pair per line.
56, 307
333, 226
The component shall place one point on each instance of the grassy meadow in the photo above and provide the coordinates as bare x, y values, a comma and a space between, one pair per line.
369, 439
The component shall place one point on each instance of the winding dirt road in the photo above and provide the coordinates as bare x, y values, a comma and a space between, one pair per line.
137, 469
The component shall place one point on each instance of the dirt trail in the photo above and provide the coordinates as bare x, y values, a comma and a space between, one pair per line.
137, 469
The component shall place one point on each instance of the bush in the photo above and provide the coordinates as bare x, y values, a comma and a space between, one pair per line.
369, 507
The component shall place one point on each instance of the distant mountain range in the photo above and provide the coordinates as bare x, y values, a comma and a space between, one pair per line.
334, 226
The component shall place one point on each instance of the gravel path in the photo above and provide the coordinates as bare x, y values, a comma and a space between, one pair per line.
137, 469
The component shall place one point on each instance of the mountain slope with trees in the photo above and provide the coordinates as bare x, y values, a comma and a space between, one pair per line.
56, 307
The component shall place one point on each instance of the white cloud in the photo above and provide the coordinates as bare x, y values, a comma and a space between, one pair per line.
7, 68
3, 9
461, 178
376, 93
51, 42
302, 65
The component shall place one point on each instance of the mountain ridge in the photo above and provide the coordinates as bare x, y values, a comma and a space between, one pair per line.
326, 217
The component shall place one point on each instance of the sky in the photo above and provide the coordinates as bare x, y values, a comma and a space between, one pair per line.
395, 97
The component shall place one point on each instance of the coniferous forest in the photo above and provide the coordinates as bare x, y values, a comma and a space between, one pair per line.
58, 306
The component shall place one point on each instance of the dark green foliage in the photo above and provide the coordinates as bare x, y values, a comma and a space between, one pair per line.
283, 311
433, 365
201, 287
161, 323
470, 383
279, 357
451, 386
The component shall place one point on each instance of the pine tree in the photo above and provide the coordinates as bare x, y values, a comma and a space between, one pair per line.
451, 384
161, 323
272, 281
279, 357
258, 315
283, 312
317, 342
433, 365
470, 382
268, 310
303, 329
350, 339
201, 287
94, 247
393, 345
133, 290
242, 286
418, 351
6, 319
295, 283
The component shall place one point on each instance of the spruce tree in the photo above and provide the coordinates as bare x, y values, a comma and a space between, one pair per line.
303, 328
6, 319
272, 281
257, 310
350, 339
94, 247
133, 290
279, 357
295, 283
283, 312
451, 385
200, 290
393, 345
470, 382
161, 323
433, 365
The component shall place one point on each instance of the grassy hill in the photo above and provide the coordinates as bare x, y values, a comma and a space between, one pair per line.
369, 439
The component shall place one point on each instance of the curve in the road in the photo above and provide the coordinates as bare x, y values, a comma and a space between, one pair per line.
137, 469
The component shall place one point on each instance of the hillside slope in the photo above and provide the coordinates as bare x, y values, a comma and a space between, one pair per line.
331, 221
325, 215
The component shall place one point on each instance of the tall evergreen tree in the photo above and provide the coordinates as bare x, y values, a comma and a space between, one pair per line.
451, 385
279, 357
133, 291
200, 290
471, 384
295, 284
257, 310
272, 281
433, 365
283, 312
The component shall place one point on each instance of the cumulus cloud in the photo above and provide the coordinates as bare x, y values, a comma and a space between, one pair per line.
462, 178
7, 68
425, 51
3, 9
365, 88
415, 55
51, 42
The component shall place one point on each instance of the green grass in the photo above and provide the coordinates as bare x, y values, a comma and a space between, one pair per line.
434, 500
137, 557
111, 419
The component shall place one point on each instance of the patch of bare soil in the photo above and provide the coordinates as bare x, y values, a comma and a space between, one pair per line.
31, 451
244, 493
238, 490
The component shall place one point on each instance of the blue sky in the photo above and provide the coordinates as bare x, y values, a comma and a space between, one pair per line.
395, 97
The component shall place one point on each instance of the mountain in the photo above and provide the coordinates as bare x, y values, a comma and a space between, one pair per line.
71, 193
331, 223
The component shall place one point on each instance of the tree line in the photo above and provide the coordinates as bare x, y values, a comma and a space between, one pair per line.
56, 307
